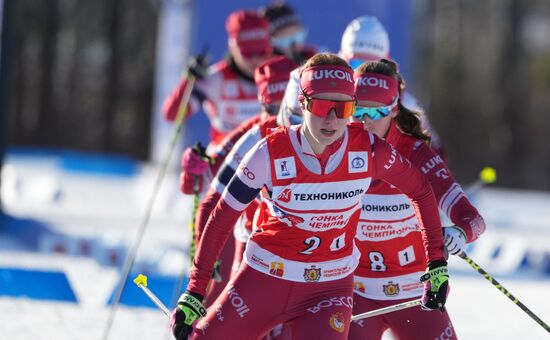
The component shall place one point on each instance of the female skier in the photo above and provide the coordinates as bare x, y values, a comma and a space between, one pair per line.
299, 262
388, 233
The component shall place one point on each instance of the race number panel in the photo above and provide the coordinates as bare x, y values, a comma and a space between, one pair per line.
406, 256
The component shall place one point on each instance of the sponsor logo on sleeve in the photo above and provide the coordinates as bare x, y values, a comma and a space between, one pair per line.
431, 164
285, 168
276, 87
247, 172
442, 173
358, 161
392, 159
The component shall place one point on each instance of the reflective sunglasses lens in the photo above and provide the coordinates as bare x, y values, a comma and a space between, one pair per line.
374, 113
296, 38
321, 107
345, 109
300, 37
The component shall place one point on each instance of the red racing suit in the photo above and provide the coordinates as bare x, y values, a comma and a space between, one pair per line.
306, 233
217, 156
227, 157
391, 244
227, 95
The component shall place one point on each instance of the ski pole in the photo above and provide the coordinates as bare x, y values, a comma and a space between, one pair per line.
388, 309
179, 283
504, 291
200, 150
130, 258
141, 282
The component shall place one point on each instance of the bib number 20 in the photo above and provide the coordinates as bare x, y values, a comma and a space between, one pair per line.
314, 242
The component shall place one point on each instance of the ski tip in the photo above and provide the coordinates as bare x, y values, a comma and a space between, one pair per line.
141, 280
488, 175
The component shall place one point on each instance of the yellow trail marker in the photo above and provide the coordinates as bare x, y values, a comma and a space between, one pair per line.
141, 280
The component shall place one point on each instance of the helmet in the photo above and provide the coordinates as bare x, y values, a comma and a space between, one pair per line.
249, 30
280, 15
365, 36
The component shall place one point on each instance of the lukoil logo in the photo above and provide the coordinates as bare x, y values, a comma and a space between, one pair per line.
372, 82
276, 87
330, 74
237, 302
254, 34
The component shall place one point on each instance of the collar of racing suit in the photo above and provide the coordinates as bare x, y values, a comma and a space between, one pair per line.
237, 70
393, 133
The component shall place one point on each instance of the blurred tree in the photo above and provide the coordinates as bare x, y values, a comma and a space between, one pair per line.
6, 40
484, 87
83, 74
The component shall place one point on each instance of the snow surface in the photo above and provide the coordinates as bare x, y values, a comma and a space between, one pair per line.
105, 211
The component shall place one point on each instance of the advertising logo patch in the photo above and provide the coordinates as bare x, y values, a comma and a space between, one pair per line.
312, 274
359, 286
285, 168
277, 269
337, 322
391, 289
358, 161
231, 89
285, 195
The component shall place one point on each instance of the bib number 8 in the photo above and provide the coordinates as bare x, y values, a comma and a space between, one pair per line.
377, 262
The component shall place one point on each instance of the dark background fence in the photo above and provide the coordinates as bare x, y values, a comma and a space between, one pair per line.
82, 74
483, 69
